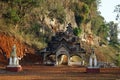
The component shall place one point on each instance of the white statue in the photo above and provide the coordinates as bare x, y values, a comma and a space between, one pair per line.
14, 60
93, 60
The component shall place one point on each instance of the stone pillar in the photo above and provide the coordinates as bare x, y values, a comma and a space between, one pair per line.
62, 58
56, 61
68, 59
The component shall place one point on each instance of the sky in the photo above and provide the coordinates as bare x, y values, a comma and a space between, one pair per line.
107, 10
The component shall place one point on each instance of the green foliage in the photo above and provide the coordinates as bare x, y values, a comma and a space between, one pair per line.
103, 32
113, 33
22, 2
27, 13
58, 13
77, 31
89, 2
81, 12
117, 11
79, 19
33, 35
100, 28
76, 8
35, 29
17, 9
85, 9
96, 23
12, 16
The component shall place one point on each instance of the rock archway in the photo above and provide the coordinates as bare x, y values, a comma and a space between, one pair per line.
50, 59
62, 57
76, 60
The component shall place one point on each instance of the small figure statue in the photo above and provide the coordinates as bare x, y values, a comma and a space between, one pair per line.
93, 60
13, 57
14, 61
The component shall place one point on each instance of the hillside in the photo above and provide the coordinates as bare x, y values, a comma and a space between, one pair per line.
30, 24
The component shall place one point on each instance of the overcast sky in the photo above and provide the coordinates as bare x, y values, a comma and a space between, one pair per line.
107, 10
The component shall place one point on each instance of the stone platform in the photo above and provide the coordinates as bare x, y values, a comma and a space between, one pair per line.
12, 68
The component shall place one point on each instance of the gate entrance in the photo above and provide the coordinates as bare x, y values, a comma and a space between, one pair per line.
62, 59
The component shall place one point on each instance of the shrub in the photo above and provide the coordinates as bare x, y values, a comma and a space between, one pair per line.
58, 13
12, 16
18, 8
81, 12
77, 31
79, 19
85, 9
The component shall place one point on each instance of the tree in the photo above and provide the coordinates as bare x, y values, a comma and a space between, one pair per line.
17, 9
117, 10
81, 12
77, 31
113, 32
96, 23
103, 32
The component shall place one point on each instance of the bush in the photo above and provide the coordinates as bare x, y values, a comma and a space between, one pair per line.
77, 31
18, 8
85, 9
12, 16
81, 12
76, 8
79, 19
58, 13
34, 29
